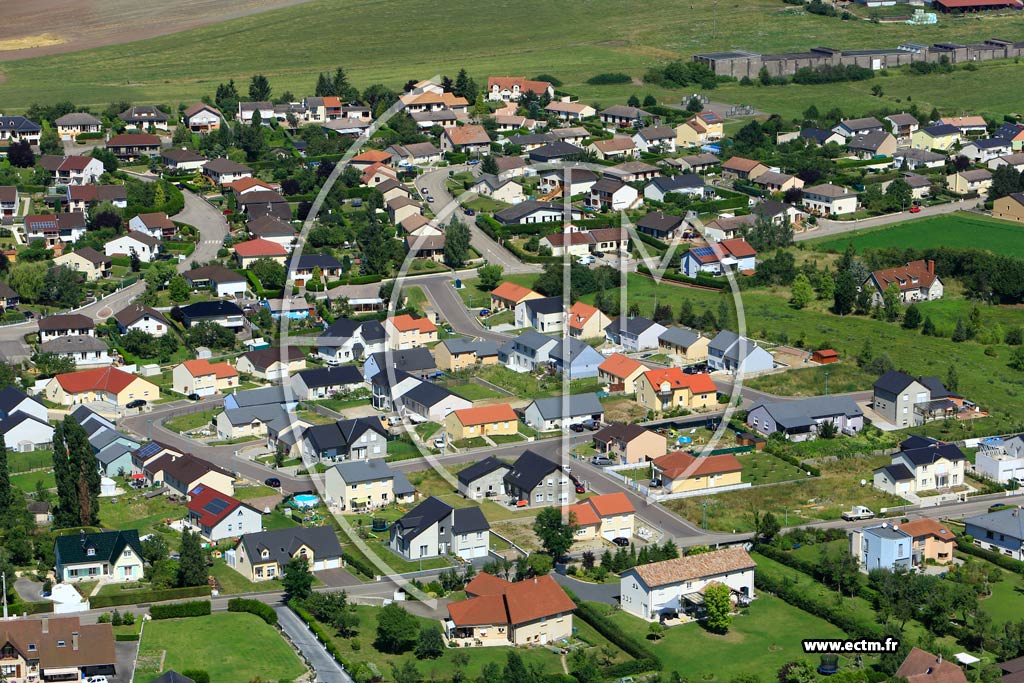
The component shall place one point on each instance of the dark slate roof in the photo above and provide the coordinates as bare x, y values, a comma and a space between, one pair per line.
894, 381
428, 394
819, 135
935, 387
107, 545
359, 471
929, 454
407, 360
576, 348
678, 182
1009, 522
423, 516
579, 404
899, 472
555, 150
805, 412
660, 222
330, 376
916, 441
680, 336
281, 543
529, 470
311, 261
11, 421
112, 453
941, 129
210, 309
481, 468
343, 433
469, 519
544, 305
10, 398
533, 340
634, 326
481, 347
172, 676
517, 211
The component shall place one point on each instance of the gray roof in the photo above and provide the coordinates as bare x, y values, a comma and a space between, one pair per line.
517, 211
545, 305
723, 341
869, 141
804, 412
423, 516
428, 394
533, 340
576, 348
466, 520
273, 415
282, 543
358, 471
887, 531
481, 468
112, 453
481, 347
894, 381
263, 396
578, 405
1009, 522
73, 343
679, 336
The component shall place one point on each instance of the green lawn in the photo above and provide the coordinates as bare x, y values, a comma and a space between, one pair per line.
843, 377
957, 230
474, 297
250, 492
425, 430
27, 482
763, 468
133, 511
186, 423
232, 583
23, 462
471, 391
231, 647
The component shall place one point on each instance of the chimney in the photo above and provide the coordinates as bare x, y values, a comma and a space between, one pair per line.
74, 641
931, 267
46, 625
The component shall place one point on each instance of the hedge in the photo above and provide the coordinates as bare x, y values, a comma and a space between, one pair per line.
644, 659
44, 607
1007, 563
360, 564
260, 609
131, 597
652, 241
179, 610
126, 637
796, 462
320, 632
810, 568
82, 137
705, 281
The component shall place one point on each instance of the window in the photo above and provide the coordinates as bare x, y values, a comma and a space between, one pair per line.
61, 643
90, 552
127, 552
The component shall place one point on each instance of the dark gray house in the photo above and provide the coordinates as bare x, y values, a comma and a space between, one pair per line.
535, 481
800, 420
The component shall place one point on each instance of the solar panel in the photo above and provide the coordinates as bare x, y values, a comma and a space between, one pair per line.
149, 449
215, 506
703, 251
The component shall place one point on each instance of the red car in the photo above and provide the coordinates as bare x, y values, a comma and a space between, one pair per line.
915, 209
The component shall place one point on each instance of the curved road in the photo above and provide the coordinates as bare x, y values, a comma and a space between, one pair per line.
830, 228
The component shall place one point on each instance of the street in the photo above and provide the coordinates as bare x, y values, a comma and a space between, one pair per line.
829, 228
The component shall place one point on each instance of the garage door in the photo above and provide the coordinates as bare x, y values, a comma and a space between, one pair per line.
331, 563
479, 551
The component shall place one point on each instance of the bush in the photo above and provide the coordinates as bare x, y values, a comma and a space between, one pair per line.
320, 632
609, 79
965, 544
126, 637
197, 675
132, 597
359, 564
180, 610
260, 609
644, 658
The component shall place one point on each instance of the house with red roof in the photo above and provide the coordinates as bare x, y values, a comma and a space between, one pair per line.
508, 295
668, 389
536, 611
732, 254
406, 332
586, 322
620, 373
253, 250
467, 423
200, 376
681, 472
606, 516
916, 281
107, 385
512, 88
217, 516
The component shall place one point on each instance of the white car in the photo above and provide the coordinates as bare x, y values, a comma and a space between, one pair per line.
439, 442
586, 260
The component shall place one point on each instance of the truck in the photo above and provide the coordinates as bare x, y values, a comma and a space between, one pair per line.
858, 512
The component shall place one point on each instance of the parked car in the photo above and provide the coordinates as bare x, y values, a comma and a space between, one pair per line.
137, 403
96, 679
272, 482
484, 312
580, 488
29, 314
430, 200
592, 424
472, 162
601, 461
621, 541
470, 212
439, 442
576, 427
915, 209
194, 397
655, 484
858, 512
585, 260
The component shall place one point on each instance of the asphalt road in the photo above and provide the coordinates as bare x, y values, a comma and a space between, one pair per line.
441, 292
326, 667
829, 228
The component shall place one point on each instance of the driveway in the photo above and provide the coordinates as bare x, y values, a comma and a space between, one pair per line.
30, 591
607, 593
125, 652
326, 667
337, 578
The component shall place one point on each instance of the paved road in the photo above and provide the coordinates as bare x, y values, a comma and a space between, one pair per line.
448, 304
829, 228
326, 667
607, 593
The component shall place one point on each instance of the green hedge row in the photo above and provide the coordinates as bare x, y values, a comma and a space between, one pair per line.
82, 137
702, 280
1007, 563
44, 607
260, 609
139, 596
795, 461
320, 632
257, 287
360, 564
126, 637
179, 610
810, 568
644, 658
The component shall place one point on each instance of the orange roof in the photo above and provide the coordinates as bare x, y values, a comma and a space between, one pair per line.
584, 514
376, 167
927, 527
501, 412
965, 121
741, 164
612, 504
508, 82
486, 584
677, 379
201, 367
372, 156
518, 603
259, 247
618, 365
679, 463
110, 380
580, 313
468, 135
243, 184
924, 667
484, 610
510, 291
407, 323
738, 247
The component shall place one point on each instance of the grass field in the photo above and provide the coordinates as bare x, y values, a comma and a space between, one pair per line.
954, 230
471, 391
133, 511
762, 468
186, 423
27, 482
843, 377
232, 647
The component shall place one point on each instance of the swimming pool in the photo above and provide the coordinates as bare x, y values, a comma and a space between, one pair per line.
305, 500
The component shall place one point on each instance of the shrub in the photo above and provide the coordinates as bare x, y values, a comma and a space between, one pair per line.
794, 594
126, 637
644, 658
179, 610
197, 675
140, 596
260, 609
609, 79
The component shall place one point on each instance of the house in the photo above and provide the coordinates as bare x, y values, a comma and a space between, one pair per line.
348, 340
737, 355
182, 159
425, 120
263, 556
801, 419
245, 186
549, 414
681, 472
483, 479
609, 516
8, 298
301, 269
585, 321
256, 422
829, 200
469, 139
684, 345
1016, 160
418, 362
57, 648
773, 181
13, 401
508, 295
616, 147
670, 389
610, 240
528, 352
401, 208
83, 197
434, 529
217, 516
634, 334
144, 116
111, 556
406, 332
976, 181
138, 243
86, 351
317, 383
365, 484
9, 203
612, 194
821, 137
670, 587
705, 127
223, 313
920, 186
517, 167
54, 326
574, 358
24, 422
218, 279
484, 421
54, 229
74, 124
156, 225
221, 171
621, 116
41, 512
656, 140
459, 354
983, 151
902, 546
200, 376
698, 163
922, 464
902, 126
728, 255
538, 481
388, 388
556, 150
202, 118
967, 125
941, 136
511, 88
573, 243
428, 401
182, 473
142, 318
533, 612
872, 144
918, 158
916, 281
852, 127
78, 171
620, 372
532, 211
742, 168
501, 189
630, 444
687, 184
660, 225
906, 401
570, 111
416, 153
1009, 208
255, 249
346, 439
921, 666
272, 364
130, 146
546, 314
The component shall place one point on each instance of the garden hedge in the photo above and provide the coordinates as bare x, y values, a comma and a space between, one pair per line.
644, 659
260, 609
179, 610
1007, 563
794, 594
138, 596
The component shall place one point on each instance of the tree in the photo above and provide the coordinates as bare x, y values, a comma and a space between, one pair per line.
76, 475
827, 430
490, 276
717, 607
397, 630
259, 88
227, 97
584, 667
49, 142
192, 563
1017, 358
928, 327
826, 286
297, 580
270, 273
767, 526
27, 279
952, 380
430, 644
456, 244
891, 302
154, 548
465, 86
633, 101
912, 317
407, 673
7, 495
656, 631
20, 154
516, 671
555, 534
801, 292
179, 289
489, 165
49, 364
960, 333
845, 295
800, 671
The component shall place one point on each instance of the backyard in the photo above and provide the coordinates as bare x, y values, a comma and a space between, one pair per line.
134, 511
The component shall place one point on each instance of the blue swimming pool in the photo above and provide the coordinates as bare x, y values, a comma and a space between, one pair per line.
305, 500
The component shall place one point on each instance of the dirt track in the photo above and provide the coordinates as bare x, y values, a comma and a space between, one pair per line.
72, 25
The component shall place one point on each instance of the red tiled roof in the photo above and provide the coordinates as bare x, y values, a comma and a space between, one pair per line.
519, 603
677, 379
507, 83
584, 514
372, 156
924, 667
580, 313
511, 291
927, 527
259, 247
405, 323
468, 135
133, 140
612, 504
618, 365
501, 412
560, 239
201, 367
678, 463
740, 164
200, 498
738, 247
110, 380
714, 563
904, 276
486, 584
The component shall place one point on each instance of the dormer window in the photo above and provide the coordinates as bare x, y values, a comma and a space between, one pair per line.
265, 553
90, 552
31, 647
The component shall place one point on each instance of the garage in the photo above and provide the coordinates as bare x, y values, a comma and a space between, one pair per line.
328, 563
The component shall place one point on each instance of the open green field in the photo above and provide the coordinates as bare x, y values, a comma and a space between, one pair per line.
134, 511
955, 230
843, 377
232, 647
27, 482
600, 41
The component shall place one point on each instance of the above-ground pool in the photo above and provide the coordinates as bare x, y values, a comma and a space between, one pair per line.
685, 439
305, 501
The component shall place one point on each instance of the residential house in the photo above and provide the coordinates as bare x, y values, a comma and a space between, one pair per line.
469, 423
110, 556
1016, 160
546, 314
829, 200
418, 362
610, 240
401, 208
920, 186
737, 355
272, 364
301, 269
24, 428
458, 354
434, 529
8, 297
54, 326
1001, 458
54, 229
86, 351
902, 546
415, 153
634, 334
74, 124
906, 401
264, 203
630, 444
705, 127
223, 313
850, 128
801, 419
57, 648
616, 147
527, 352
973, 181
272, 229
202, 118
608, 516
19, 128
532, 211
347, 439
656, 140
78, 170
469, 139
742, 168
687, 184
921, 666
348, 340
130, 146
483, 479
903, 126
548, 414
570, 111
967, 125
660, 225
221, 171
574, 358
427, 401
500, 189
81, 198
246, 253
556, 150
915, 281
156, 225
728, 255
822, 137
670, 587
138, 243
1000, 532
182, 473
585, 321
941, 136
871, 145
144, 116
671, 389
698, 163
366, 484
200, 376
612, 194
9, 202
319, 383
918, 158
922, 464
244, 186
218, 279
143, 319
983, 151
532, 612
539, 482
182, 159
217, 516
508, 295
681, 472
263, 556
425, 120
632, 172
621, 116
1009, 208
406, 332
574, 243
773, 181
684, 345
619, 373
511, 88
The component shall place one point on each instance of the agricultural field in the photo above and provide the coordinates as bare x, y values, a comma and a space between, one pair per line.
958, 230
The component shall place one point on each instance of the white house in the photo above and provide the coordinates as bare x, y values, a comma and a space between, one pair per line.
547, 414
922, 464
656, 139
734, 255
1001, 458
24, 432
217, 516
138, 243
143, 319
113, 556
829, 200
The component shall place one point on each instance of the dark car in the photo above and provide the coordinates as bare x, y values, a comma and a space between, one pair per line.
592, 425
194, 397
273, 482
621, 541
29, 314
470, 212
137, 403
576, 427
695, 369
